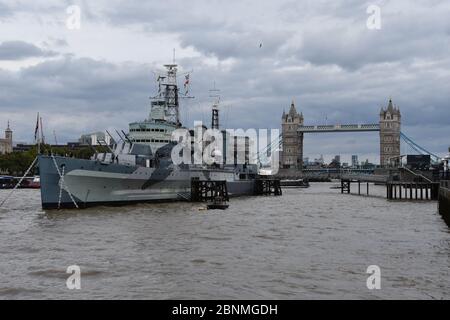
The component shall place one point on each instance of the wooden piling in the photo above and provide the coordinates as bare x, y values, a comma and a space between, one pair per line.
208, 190
268, 187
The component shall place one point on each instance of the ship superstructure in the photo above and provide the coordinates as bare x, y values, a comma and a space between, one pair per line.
164, 117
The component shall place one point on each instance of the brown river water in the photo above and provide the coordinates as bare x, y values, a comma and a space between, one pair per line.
307, 244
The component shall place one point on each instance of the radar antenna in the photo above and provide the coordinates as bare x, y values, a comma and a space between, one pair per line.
168, 93
214, 93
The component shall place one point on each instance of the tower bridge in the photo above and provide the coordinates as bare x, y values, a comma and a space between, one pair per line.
340, 128
293, 131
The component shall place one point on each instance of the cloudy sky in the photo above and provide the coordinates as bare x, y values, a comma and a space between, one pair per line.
321, 54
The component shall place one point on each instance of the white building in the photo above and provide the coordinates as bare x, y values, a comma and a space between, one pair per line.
94, 138
6, 144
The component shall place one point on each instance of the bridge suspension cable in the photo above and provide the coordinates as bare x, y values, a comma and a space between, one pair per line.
274, 144
418, 148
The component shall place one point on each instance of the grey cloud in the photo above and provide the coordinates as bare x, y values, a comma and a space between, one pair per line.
79, 95
19, 50
406, 35
319, 32
5, 11
52, 42
317, 53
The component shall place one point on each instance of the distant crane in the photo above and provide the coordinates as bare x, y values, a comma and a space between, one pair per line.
54, 134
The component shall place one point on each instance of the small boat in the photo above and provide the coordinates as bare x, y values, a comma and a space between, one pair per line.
30, 183
217, 206
219, 203
7, 182
294, 183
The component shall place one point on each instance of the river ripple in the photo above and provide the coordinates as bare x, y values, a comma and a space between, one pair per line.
308, 244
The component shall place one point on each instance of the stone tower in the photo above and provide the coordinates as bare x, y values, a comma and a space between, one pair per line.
6, 145
390, 123
8, 134
292, 155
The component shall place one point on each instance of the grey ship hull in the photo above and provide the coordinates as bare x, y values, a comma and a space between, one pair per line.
92, 183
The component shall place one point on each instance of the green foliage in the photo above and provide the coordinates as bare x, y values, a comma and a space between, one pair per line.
16, 163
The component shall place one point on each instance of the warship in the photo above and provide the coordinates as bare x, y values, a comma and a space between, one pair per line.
138, 168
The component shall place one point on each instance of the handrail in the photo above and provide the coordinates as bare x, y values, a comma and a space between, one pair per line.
417, 174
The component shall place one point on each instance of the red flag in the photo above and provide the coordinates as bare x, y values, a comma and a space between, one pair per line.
186, 83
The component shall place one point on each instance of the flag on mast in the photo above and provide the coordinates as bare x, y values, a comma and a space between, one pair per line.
186, 84
42, 130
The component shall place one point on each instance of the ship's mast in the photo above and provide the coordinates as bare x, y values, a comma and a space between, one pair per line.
168, 93
167, 96
214, 93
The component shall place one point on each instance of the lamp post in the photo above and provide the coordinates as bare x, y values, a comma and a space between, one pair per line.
446, 162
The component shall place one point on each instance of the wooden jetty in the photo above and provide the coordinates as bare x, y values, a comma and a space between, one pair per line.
294, 183
412, 190
208, 190
216, 193
395, 190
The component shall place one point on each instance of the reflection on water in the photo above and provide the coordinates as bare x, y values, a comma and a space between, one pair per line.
309, 243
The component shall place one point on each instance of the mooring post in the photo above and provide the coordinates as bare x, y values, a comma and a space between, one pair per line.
436, 191
435, 194
367, 188
400, 191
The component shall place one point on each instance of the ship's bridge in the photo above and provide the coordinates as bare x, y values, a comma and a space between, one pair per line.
156, 134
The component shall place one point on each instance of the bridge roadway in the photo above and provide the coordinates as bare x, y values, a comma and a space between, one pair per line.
340, 128
323, 173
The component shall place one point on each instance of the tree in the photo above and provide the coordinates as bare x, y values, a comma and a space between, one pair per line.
17, 162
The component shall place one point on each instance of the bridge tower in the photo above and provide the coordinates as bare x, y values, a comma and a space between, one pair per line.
390, 123
292, 154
